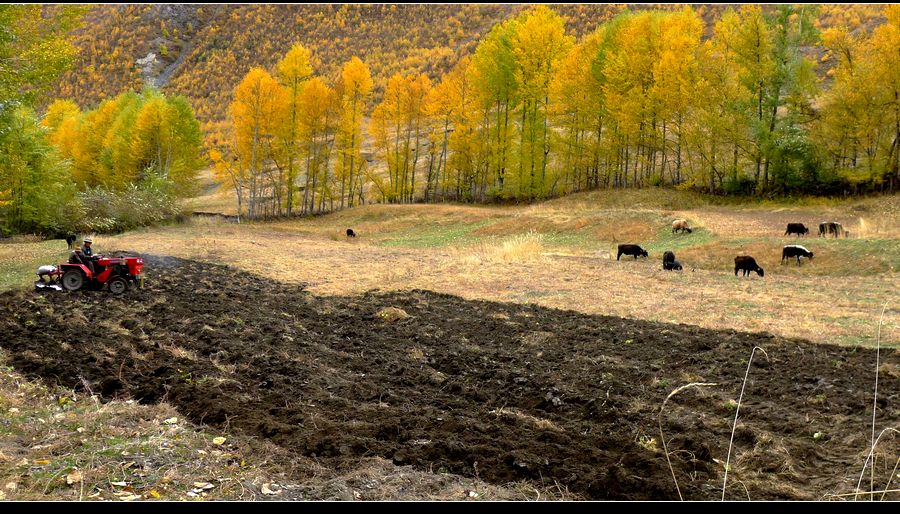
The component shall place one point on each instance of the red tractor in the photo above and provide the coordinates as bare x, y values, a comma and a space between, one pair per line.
115, 272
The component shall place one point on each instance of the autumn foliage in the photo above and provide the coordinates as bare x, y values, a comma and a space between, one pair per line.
307, 109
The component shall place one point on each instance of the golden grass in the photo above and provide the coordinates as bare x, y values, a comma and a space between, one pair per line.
518, 248
788, 301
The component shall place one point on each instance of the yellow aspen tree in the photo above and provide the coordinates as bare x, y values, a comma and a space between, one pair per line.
417, 112
576, 95
539, 45
293, 71
493, 75
675, 77
259, 103
388, 121
316, 124
356, 88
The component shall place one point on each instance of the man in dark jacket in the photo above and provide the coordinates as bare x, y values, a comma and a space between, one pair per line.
88, 255
86, 248
77, 257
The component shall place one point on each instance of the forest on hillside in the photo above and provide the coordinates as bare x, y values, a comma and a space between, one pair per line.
221, 43
307, 109
646, 98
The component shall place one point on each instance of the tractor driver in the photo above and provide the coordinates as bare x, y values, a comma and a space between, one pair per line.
88, 254
86, 248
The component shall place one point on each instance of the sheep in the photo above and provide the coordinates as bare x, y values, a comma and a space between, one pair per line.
351, 233
796, 228
795, 251
747, 264
681, 225
634, 250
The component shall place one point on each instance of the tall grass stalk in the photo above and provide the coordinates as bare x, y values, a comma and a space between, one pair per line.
887, 486
871, 456
874, 409
663, 438
736, 412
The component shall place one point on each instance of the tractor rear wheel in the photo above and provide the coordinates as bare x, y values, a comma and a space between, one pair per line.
73, 280
117, 285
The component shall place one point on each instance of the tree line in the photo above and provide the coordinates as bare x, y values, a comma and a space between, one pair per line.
644, 99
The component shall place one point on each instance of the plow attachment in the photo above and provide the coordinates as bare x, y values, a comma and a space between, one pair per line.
40, 285
51, 274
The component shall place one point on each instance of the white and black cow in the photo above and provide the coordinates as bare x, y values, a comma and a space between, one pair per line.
797, 251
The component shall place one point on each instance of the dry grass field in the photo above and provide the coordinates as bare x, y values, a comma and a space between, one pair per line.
562, 254
558, 254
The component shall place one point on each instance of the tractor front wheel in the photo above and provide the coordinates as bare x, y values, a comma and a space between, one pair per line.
117, 285
73, 280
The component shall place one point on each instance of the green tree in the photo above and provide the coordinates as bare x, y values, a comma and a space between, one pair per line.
36, 191
34, 49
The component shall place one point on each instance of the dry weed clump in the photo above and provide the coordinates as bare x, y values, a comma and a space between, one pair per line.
526, 247
392, 314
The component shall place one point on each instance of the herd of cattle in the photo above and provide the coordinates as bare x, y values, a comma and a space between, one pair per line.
743, 263
825, 228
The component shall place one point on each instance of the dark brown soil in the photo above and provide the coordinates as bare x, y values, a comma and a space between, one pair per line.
505, 392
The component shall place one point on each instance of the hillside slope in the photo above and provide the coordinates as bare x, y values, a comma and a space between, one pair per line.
202, 51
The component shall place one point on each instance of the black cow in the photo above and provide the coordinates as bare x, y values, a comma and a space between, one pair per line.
669, 262
351, 233
797, 251
746, 264
668, 256
796, 228
70, 240
634, 250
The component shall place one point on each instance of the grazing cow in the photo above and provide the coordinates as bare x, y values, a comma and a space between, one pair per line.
669, 262
681, 225
839, 230
797, 251
796, 228
668, 257
351, 233
70, 240
746, 264
831, 227
634, 250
